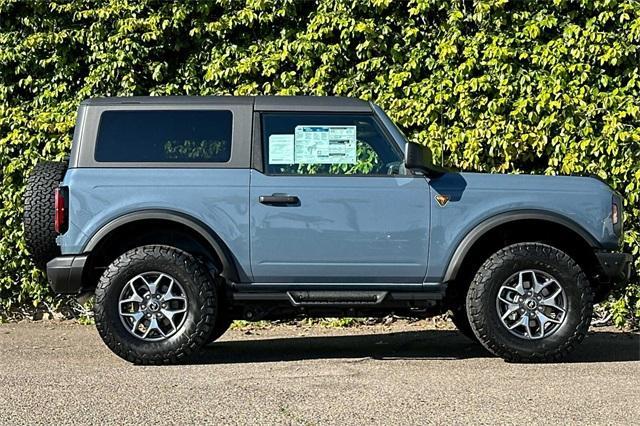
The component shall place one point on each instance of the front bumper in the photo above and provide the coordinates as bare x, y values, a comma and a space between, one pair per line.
615, 266
65, 273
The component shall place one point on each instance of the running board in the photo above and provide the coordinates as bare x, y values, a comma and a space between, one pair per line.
314, 298
336, 294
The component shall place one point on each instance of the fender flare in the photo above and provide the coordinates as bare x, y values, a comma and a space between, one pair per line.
221, 250
455, 263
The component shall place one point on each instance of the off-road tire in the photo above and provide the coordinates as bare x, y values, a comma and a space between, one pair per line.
483, 315
39, 210
201, 309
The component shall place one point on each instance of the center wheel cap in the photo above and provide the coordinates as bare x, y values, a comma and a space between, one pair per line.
154, 306
531, 304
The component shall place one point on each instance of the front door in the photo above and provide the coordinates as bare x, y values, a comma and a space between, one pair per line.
329, 206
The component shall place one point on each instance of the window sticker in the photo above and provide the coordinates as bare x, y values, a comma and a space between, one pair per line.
281, 149
325, 144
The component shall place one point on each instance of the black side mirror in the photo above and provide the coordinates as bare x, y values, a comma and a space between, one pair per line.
419, 157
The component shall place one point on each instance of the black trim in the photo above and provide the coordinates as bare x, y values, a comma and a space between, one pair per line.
230, 271
615, 266
337, 297
455, 263
284, 287
310, 104
256, 144
65, 273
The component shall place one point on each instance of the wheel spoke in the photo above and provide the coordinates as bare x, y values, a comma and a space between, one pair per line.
506, 289
169, 316
544, 319
537, 287
169, 295
144, 304
135, 297
150, 286
153, 325
520, 322
549, 301
553, 305
520, 287
511, 308
137, 317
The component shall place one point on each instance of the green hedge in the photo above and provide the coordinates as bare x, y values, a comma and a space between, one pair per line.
495, 86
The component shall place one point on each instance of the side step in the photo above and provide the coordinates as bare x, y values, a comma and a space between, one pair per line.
334, 297
315, 298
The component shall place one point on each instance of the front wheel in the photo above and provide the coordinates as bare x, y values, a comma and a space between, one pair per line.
530, 302
155, 305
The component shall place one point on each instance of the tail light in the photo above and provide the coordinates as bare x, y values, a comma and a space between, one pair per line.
617, 216
60, 215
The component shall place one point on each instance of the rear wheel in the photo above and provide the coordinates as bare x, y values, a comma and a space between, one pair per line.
155, 305
39, 231
530, 302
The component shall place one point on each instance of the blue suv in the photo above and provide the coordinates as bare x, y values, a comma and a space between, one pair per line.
186, 213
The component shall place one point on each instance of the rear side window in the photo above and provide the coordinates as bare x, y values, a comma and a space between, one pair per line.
164, 136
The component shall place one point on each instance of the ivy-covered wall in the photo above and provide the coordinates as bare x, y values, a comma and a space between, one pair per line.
495, 86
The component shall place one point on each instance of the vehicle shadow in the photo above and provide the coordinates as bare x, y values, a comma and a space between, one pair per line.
599, 346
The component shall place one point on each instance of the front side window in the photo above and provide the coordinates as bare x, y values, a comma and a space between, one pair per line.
326, 144
164, 136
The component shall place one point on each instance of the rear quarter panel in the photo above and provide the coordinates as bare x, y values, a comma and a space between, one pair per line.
217, 197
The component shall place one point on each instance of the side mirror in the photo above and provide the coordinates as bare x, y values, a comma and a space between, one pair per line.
419, 157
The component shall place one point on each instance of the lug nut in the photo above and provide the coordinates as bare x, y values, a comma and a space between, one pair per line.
143, 307
148, 315
164, 305
147, 297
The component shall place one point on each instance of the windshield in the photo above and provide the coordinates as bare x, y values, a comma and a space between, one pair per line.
399, 137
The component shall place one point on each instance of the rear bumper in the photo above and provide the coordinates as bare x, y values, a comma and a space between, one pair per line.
65, 273
615, 266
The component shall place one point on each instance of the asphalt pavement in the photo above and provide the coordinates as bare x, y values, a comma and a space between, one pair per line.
409, 373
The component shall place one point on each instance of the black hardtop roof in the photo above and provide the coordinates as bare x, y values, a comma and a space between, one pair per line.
260, 103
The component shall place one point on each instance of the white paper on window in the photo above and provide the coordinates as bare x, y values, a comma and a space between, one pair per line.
325, 144
281, 149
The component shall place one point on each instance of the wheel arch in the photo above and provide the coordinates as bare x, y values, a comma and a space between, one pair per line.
207, 236
486, 228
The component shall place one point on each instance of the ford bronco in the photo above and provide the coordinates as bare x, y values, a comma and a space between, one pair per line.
186, 213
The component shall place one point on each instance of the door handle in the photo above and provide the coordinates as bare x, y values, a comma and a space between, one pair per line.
278, 199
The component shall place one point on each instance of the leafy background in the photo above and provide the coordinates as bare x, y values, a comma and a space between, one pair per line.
495, 86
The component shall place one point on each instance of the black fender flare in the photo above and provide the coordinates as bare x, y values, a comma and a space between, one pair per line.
455, 263
230, 271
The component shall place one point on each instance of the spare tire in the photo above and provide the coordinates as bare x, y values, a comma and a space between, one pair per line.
39, 210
